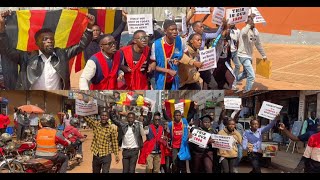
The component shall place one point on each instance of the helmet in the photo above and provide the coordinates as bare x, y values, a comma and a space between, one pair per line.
74, 122
11, 146
5, 137
48, 121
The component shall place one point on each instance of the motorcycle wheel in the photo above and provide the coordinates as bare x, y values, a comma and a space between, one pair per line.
15, 167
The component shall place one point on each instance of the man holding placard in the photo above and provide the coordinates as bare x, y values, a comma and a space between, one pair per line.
249, 37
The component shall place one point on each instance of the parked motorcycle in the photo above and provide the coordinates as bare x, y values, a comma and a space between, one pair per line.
8, 159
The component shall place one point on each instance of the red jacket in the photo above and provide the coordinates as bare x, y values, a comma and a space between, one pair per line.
109, 81
135, 79
4, 121
148, 145
72, 134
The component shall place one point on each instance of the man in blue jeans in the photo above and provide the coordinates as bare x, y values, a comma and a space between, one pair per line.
249, 36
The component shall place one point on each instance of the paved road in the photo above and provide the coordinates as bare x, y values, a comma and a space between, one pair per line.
86, 166
293, 67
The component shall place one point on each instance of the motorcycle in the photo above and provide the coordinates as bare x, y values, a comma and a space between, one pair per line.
9, 161
41, 165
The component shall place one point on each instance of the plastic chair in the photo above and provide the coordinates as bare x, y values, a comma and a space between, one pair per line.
10, 130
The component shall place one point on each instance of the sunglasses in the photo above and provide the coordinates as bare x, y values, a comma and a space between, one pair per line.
143, 38
110, 43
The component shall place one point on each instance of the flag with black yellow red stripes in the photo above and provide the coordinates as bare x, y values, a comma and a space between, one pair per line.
68, 26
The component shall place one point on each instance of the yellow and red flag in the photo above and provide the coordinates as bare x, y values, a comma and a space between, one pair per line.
169, 105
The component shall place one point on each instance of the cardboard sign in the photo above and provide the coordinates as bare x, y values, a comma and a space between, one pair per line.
237, 15
202, 10
180, 107
140, 22
222, 142
86, 109
269, 110
232, 103
200, 138
258, 18
208, 57
218, 15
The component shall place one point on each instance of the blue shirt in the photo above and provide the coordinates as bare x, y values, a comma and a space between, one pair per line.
255, 138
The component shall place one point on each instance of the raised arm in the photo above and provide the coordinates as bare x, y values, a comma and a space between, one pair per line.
115, 120
119, 30
84, 42
288, 133
269, 126
91, 123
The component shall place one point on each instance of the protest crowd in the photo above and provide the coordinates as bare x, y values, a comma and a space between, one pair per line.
176, 56
170, 141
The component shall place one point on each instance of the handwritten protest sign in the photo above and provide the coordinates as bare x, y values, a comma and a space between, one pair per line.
237, 15
208, 57
152, 102
86, 109
179, 106
258, 18
140, 22
222, 142
218, 15
232, 103
200, 138
184, 27
202, 10
269, 110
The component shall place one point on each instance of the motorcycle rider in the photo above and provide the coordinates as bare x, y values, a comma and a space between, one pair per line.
47, 140
73, 134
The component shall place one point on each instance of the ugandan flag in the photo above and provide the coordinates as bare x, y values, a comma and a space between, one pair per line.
169, 105
128, 99
108, 20
68, 25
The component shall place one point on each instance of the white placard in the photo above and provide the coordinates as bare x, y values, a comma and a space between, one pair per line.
202, 10
218, 15
180, 107
258, 18
200, 138
140, 22
269, 110
237, 15
208, 57
232, 103
222, 142
86, 109
145, 110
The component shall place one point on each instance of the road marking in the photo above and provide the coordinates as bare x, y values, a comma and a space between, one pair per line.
299, 62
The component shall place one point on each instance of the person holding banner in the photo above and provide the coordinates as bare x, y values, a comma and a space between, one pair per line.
188, 73
202, 158
179, 132
252, 140
102, 68
166, 52
46, 68
103, 144
136, 62
228, 157
249, 37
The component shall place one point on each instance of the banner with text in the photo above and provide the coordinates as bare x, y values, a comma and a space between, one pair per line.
269, 110
237, 15
140, 22
218, 15
222, 142
202, 10
200, 138
258, 18
179, 106
232, 103
208, 57
86, 109
184, 27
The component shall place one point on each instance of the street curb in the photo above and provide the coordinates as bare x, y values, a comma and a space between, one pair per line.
283, 168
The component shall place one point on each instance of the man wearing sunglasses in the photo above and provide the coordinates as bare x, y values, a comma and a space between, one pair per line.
103, 67
48, 67
135, 60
